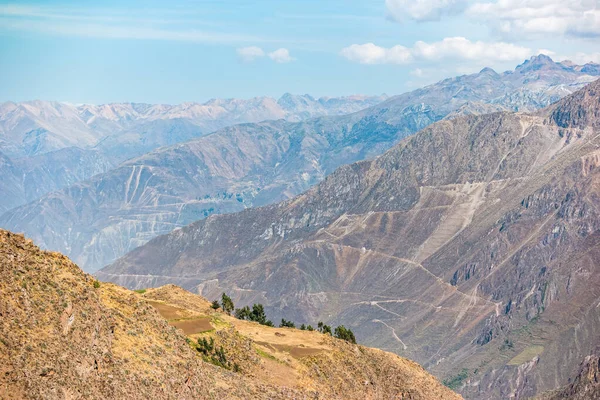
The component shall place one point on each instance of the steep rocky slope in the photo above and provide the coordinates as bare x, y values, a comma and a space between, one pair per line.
583, 386
64, 335
249, 165
470, 247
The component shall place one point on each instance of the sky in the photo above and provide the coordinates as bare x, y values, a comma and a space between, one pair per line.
176, 51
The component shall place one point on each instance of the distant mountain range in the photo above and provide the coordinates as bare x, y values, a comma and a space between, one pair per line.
37, 127
54, 145
100, 219
471, 247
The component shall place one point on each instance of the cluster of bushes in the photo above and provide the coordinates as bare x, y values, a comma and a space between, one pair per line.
341, 332
286, 324
215, 355
257, 314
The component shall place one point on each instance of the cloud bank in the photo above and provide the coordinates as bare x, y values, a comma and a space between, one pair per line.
454, 48
538, 18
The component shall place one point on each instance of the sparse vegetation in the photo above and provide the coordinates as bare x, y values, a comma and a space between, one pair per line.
140, 291
215, 305
508, 344
321, 327
96, 284
257, 314
139, 355
341, 332
286, 324
455, 382
215, 355
227, 304
243, 313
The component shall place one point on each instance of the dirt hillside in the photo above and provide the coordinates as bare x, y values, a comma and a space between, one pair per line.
64, 335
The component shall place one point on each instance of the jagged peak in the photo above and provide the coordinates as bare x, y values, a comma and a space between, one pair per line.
536, 62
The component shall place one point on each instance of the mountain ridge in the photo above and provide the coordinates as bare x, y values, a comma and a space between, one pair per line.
251, 165
453, 248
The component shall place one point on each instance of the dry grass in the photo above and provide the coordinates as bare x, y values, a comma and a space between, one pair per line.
302, 360
193, 326
66, 337
526, 355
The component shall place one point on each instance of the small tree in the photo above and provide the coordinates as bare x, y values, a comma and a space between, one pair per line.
258, 314
341, 332
310, 328
320, 326
243, 313
302, 327
286, 324
326, 329
227, 304
215, 305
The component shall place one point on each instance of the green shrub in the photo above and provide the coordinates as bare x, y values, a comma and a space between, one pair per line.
455, 382
286, 324
341, 332
227, 304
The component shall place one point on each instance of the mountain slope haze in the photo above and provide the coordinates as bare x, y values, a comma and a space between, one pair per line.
470, 247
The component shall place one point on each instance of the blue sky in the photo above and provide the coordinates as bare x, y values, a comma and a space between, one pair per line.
175, 51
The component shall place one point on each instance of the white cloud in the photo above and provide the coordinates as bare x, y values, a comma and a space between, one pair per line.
584, 58
457, 48
423, 10
538, 18
281, 56
369, 53
464, 49
251, 53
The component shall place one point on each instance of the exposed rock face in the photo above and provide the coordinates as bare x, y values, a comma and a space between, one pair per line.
63, 335
471, 247
99, 220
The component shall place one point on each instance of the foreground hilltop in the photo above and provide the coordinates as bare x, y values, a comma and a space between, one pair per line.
470, 247
64, 335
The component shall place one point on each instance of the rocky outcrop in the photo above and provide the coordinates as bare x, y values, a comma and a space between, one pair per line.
470, 247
